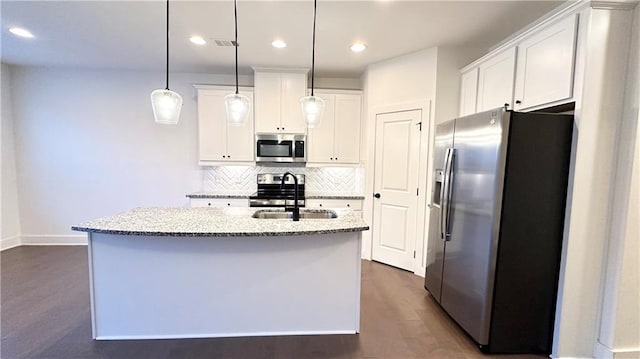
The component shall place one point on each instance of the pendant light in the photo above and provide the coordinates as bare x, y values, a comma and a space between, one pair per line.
237, 105
312, 106
166, 103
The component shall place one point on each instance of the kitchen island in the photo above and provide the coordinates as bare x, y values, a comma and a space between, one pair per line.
212, 272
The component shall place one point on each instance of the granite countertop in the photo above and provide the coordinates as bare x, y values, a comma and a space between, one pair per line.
218, 195
333, 195
216, 222
308, 195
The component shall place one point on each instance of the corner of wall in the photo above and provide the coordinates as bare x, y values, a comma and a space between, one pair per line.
9, 214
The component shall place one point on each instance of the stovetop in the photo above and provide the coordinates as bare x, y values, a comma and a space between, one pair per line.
271, 194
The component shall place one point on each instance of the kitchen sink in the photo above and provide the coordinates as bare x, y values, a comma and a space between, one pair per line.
304, 214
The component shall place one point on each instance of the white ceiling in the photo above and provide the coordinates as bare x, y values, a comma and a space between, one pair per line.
131, 34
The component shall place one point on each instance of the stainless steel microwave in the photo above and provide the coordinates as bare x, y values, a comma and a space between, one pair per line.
283, 148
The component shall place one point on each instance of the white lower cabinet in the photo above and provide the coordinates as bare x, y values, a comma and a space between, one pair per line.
219, 202
354, 204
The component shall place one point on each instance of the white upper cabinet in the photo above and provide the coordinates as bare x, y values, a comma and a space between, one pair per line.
545, 65
219, 141
277, 100
468, 91
495, 81
337, 139
536, 70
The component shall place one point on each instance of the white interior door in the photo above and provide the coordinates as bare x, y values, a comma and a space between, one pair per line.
395, 183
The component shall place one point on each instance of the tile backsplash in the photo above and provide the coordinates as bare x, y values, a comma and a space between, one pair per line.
242, 179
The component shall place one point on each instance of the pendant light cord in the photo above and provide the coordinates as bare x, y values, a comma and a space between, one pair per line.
167, 45
313, 47
235, 15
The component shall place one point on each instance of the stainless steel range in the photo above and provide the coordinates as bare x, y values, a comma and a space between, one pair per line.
270, 193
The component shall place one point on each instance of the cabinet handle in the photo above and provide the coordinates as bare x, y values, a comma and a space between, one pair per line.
278, 128
283, 129
518, 102
331, 158
320, 204
336, 158
228, 156
209, 204
228, 204
348, 205
223, 156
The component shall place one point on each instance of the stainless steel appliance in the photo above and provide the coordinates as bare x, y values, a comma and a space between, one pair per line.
271, 193
281, 148
496, 225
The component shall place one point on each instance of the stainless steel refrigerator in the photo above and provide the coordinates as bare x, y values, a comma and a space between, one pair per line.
496, 225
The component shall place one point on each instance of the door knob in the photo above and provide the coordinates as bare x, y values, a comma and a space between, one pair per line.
376, 195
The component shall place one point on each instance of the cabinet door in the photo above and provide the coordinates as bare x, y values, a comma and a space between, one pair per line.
267, 101
354, 204
347, 128
241, 139
468, 92
320, 139
212, 124
219, 202
294, 87
545, 65
496, 80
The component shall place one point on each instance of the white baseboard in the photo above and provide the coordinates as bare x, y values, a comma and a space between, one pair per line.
627, 354
604, 352
10, 242
225, 335
54, 239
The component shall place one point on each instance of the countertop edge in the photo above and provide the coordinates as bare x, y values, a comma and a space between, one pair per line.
220, 234
329, 196
246, 196
217, 195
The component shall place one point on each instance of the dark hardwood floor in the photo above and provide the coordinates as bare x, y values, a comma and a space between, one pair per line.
45, 314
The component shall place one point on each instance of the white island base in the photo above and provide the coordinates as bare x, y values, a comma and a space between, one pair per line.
155, 287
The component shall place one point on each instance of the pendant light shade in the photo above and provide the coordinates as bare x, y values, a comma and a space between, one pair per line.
237, 105
312, 106
166, 104
237, 109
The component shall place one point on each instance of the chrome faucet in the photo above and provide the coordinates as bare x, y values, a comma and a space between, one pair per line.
296, 209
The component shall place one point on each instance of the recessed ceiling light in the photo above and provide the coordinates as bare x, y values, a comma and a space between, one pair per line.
21, 32
358, 47
198, 40
279, 44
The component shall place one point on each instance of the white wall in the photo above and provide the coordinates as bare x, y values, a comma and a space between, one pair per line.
402, 79
87, 146
600, 90
10, 222
402, 82
620, 323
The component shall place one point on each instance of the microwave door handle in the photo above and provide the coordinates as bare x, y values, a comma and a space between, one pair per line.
449, 178
443, 192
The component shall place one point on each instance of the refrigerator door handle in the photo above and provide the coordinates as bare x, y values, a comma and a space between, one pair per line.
444, 191
446, 199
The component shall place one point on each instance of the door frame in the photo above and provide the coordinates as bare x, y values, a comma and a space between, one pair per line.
424, 168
